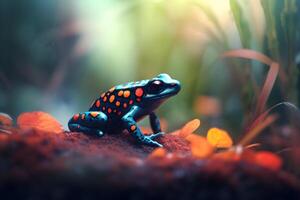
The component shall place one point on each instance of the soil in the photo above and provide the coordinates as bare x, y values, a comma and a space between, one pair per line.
44, 165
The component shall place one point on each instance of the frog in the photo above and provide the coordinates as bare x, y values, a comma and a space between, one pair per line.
123, 106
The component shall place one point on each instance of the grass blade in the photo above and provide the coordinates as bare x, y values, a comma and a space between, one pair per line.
262, 121
268, 84
270, 79
241, 23
272, 38
214, 20
257, 129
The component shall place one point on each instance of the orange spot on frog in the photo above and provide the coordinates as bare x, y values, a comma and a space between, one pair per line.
120, 93
126, 94
139, 92
105, 99
76, 117
98, 103
132, 127
111, 98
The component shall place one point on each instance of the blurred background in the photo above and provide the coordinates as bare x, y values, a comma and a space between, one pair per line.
59, 55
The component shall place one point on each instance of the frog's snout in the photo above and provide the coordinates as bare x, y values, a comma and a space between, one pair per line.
176, 86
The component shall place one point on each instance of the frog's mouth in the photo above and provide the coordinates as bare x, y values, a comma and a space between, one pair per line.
168, 92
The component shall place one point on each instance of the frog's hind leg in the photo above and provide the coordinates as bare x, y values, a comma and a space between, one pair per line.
89, 122
80, 128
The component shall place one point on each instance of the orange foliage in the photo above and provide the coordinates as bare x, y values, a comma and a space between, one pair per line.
39, 120
263, 158
268, 160
200, 147
219, 138
176, 132
189, 128
236, 154
208, 106
227, 155
147, 130
158, 153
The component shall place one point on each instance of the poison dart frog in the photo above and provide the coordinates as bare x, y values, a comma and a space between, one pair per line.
122, 106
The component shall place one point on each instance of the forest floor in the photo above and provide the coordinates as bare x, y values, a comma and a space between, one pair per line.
43, 165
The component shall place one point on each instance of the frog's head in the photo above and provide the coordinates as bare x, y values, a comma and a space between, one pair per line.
161, 88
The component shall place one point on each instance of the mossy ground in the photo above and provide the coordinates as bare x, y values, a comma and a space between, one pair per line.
43, 165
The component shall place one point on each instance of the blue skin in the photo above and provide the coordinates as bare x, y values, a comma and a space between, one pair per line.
124, 105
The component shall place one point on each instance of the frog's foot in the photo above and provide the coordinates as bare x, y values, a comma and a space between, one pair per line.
148, 141
156, 135
131, 126
144, 139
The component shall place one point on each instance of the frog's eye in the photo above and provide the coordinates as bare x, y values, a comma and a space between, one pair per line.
155, 87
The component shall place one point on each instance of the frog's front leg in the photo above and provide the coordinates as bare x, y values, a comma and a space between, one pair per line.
89, 122
130, 124
155, 125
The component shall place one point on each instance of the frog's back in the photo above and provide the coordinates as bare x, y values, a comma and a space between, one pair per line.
118, 100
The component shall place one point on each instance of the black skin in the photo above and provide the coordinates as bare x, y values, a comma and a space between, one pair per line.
124, 105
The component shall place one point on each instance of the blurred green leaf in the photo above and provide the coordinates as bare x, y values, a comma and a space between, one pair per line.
241, 23
289, 21
211, 16
268, 7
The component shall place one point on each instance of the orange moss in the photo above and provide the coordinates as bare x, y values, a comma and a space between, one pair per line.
200, 148
158, 153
